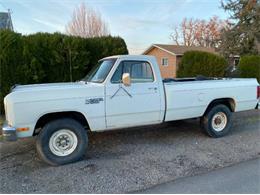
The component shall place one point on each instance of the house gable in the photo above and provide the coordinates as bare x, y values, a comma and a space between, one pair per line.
169, 70
147, 51
179, 50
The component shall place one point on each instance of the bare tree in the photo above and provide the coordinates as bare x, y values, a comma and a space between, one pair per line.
197, 32
184, 33
86, 22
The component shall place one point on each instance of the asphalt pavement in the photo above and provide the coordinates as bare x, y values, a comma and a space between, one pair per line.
240, 178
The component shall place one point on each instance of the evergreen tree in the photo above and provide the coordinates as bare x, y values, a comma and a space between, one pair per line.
48, 58
243, 37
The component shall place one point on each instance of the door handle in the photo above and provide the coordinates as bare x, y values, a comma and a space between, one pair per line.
152, 88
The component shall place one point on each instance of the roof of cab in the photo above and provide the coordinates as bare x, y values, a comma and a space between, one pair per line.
137, 57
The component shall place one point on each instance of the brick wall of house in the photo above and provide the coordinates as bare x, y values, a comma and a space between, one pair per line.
166, 71
178, 60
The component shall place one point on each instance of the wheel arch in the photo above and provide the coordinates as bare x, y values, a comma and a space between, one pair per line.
44, 119
229, 102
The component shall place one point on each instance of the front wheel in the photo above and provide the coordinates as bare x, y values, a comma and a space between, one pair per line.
217, 121
62, 141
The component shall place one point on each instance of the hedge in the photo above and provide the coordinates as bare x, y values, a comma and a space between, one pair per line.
249, 67
47, 58
194, 63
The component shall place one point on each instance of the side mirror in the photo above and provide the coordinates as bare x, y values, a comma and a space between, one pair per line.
126, 79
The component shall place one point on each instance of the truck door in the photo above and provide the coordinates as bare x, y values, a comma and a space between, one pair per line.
134, 105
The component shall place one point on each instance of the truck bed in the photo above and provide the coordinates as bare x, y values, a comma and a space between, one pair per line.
189, 98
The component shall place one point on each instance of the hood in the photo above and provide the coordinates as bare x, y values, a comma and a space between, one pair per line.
39, 87
44, 92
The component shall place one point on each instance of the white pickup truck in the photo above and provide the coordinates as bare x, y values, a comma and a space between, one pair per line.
121, 92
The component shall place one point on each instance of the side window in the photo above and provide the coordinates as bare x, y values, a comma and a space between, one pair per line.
124, 67
139, 71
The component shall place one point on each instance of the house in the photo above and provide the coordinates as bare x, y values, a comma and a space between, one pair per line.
169, 56
233, 61
6, 21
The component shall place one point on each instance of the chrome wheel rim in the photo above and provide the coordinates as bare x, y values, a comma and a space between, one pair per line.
219, 121
63, 142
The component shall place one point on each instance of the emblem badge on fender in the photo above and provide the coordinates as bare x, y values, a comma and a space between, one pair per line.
94, 100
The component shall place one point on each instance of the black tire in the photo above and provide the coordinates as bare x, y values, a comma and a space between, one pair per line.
207, 120
43, 139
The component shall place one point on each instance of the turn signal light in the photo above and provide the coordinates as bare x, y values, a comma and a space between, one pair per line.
22, 129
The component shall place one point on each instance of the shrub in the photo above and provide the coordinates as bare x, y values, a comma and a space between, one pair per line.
47, 58
249, 67
11, 49
195, 63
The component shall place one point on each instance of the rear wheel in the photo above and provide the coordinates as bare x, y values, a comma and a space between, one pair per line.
217, 121
62, 141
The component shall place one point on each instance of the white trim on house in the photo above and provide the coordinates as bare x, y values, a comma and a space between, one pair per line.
169, 52
234, 56
154, 45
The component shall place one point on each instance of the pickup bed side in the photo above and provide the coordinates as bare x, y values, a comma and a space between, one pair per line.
191, 99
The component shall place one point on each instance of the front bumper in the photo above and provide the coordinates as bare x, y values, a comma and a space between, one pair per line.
9, 133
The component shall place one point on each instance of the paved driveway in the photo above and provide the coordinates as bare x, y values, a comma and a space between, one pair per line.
130, 160
237, 179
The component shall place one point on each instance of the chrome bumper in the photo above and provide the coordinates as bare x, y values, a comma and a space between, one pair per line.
9, 133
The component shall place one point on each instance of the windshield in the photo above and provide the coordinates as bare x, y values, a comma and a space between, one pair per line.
100, 71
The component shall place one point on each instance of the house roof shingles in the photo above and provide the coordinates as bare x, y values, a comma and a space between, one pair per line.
180, 50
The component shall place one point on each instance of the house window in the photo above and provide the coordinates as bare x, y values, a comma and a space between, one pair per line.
165, 62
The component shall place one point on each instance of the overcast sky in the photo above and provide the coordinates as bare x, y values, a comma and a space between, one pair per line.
140, 22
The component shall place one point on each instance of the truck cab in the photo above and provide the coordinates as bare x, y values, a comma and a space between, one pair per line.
140, 101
